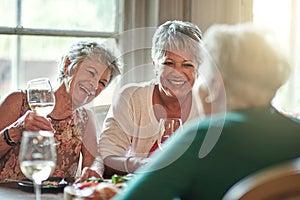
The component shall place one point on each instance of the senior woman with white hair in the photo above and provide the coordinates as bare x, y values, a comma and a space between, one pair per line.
130, 131
84, 72
209, 156
131, 127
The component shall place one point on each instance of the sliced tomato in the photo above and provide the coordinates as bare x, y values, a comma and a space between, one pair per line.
88, 184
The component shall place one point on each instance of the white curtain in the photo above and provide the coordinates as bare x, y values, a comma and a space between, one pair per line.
283, 16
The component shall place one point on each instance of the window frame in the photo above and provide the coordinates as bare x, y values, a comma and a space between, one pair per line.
19, 31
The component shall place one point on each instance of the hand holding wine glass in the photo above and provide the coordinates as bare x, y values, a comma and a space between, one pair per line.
167, 126
40, 96
37, 157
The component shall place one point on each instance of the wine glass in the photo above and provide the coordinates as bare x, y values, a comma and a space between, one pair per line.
37, 157
167, 126
40, 96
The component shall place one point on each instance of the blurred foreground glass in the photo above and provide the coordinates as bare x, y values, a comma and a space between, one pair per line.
167, 126
37, 157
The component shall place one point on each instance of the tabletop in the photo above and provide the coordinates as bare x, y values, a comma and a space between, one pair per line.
12, 191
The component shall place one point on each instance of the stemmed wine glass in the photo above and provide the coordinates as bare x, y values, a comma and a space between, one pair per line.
37, 157
40, 96
167, 126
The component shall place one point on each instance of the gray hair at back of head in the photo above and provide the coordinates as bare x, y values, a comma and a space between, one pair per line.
177, 35
252, 64
92, 50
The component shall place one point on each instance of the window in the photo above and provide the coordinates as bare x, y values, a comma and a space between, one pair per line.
283, 16
35, 34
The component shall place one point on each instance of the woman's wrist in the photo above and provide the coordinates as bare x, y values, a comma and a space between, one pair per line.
98, 165
16, 127
8, 140
133, 163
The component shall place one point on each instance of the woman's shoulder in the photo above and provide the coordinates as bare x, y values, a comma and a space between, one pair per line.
14, 97
133, 89
16, 100
15, 94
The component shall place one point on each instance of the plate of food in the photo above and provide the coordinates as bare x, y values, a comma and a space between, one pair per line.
96, 188
50, 183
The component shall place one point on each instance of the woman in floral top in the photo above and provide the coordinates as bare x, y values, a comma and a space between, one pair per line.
85, 71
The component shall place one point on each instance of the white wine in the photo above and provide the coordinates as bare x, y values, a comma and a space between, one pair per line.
37, 170
42, 109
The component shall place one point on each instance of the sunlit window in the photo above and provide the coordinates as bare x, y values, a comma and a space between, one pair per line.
35, 34
282, 16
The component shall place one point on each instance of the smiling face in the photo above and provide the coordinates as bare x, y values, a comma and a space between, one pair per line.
177, 73
89, 80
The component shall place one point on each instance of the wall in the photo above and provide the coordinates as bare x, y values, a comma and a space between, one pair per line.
208, 12
143, 16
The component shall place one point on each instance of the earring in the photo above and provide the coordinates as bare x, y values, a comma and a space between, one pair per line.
156, 79
210, 98
66, 83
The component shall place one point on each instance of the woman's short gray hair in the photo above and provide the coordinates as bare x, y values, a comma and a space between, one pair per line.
177, 35
252, 64
92, 50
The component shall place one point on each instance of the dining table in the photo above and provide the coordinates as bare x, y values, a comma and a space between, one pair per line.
13, 191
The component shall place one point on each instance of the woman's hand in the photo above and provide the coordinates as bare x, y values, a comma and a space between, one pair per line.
30, 122
33, 122
133, 163
87, 173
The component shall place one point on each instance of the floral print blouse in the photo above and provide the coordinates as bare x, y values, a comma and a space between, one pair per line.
68, 138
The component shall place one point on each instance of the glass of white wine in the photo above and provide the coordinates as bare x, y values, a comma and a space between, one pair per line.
37, 157
167, 126
40, 96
